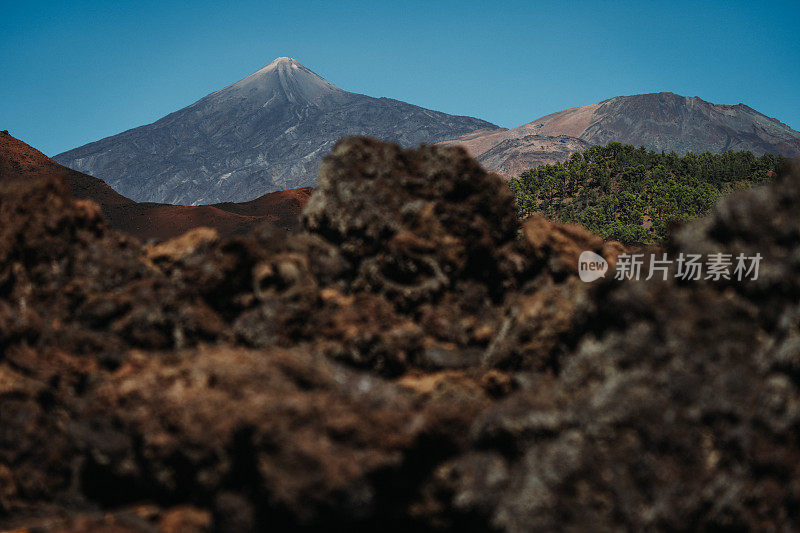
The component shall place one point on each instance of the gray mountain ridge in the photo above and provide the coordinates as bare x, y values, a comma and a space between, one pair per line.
264, 133
658, 121
671, 122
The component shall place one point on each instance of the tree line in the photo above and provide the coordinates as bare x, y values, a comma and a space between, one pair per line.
634, 195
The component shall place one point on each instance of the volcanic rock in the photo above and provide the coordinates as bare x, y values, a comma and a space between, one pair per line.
270, 380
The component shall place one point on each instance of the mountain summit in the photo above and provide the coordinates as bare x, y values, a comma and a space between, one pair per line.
283, 77
266, 132
671, 122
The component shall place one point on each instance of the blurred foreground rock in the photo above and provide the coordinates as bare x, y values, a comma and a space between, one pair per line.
415, 358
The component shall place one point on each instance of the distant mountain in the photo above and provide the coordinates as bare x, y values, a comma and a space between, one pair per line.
659, 121
512, 152
151, 220
266, 132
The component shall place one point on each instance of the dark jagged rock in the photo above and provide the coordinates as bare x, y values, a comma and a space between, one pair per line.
67, 280
413, 222
275, 380
678, 406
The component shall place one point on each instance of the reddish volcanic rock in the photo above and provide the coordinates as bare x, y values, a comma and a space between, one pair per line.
328, 380
17, 159
148, 220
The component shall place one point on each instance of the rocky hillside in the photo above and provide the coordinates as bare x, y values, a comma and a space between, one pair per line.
18, 161
660, 121
415, 359
513, 155
265, 133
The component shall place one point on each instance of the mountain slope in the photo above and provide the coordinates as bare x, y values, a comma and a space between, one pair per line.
266, 132
670, 122
659, 121
151, 220
511, 152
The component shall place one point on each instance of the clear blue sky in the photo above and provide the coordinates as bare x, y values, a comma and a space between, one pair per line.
74, 72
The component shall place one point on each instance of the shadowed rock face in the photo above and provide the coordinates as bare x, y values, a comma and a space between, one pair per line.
330, 380
413, 223
659, 121
265, 133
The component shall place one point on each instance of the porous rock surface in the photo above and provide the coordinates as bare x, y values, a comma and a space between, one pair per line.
415, 358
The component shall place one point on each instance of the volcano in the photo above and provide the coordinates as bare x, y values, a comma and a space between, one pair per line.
266, 132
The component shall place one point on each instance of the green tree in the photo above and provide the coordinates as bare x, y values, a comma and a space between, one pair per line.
633, 194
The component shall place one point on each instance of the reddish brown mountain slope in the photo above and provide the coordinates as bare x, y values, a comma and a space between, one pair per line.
149, 220
281, 204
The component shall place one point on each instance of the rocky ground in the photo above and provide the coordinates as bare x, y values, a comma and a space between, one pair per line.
414, 358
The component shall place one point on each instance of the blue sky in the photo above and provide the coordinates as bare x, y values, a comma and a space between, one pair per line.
74, 72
